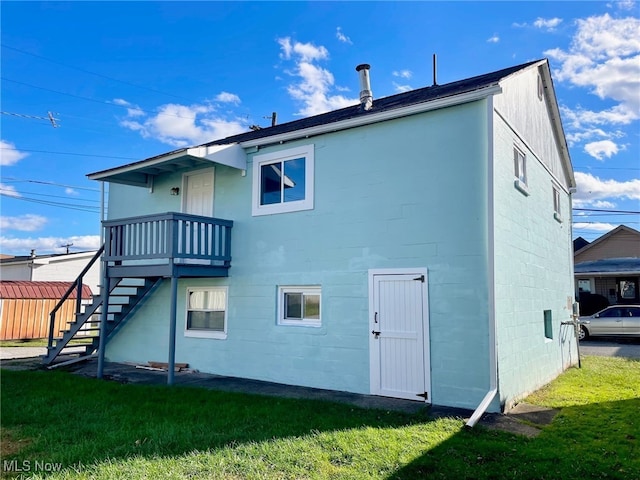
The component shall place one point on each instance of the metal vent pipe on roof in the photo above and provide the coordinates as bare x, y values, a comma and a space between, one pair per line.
366, 95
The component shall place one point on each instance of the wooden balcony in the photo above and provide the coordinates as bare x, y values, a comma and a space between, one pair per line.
167, 245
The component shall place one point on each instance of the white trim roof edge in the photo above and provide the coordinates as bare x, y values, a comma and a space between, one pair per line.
375, 118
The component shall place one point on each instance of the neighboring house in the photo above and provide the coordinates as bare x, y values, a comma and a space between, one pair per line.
417, 247
610, 267
25, 307
59, 267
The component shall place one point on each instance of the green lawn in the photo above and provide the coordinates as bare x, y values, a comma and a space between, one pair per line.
105, 430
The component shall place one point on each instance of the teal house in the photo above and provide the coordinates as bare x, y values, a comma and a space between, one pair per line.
416, 246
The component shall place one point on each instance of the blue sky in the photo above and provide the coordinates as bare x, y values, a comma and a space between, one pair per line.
124, 81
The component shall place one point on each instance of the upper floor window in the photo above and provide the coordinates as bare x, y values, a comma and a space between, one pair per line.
520, 170
283, 181
540, 88
557, 213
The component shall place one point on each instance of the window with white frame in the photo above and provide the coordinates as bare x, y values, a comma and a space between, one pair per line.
206, 312
283, 181
520, 170
557, 213
299, 306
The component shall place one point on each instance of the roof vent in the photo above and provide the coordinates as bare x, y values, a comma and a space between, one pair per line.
366, 96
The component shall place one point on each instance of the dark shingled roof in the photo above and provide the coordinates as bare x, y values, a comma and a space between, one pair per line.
609, 265
405, 99
37, 290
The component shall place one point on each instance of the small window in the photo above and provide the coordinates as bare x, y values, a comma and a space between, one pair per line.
557, 213
299, 306
283, 181
520, 170
206, 312
540, 88
548, 325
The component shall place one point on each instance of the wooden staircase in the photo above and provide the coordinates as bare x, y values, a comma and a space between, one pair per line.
80, 336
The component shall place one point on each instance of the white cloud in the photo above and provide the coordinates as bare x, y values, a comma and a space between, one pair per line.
591, 189
603, 204
402, 73
132, 110
604, 56
594, 226
547, 23
182, 125
401, 88
9, 155
626, 4
71, 191
227, 97
313, 85
493, 39
342, 37
23, 223
22, 246
601, 149
9, 190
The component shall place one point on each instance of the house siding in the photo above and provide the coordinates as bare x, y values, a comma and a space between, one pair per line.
533, 255
622, 244
406, 193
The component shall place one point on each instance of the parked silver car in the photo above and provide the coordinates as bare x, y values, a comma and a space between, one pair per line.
616, 320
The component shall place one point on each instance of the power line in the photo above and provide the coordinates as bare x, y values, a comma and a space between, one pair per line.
82, 208
105, 102
13, 179
608, 168
69, 153
50, 117
604, 210
94, 73
11, 193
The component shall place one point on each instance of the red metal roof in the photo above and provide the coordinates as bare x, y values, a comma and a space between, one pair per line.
26, 289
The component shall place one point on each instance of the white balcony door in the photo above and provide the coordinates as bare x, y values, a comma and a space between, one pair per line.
399, 335
198, 193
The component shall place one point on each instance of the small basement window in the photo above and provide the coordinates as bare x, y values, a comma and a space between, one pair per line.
299, 306
548, 325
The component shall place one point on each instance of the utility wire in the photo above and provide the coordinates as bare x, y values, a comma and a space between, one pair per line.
69, 153
105, 102
82, 208
604, 210
12, 193
13, 179
4, 45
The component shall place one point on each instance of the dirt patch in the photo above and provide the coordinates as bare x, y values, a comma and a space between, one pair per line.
11, 444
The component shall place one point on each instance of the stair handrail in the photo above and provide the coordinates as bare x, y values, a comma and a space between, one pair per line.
76, 285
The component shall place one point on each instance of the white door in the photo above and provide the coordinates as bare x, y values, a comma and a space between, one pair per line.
399, 335
198, 193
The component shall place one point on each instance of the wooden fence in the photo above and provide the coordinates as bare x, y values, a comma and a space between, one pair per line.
25, 318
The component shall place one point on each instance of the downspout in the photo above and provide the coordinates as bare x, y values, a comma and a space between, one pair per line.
493, 357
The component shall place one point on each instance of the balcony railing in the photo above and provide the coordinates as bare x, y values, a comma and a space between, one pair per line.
176, 237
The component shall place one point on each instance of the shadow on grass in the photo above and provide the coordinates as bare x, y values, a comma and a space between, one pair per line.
600, 440
145, 431
66, 419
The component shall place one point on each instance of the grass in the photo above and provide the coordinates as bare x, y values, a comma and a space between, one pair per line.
35, 342
106, 430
